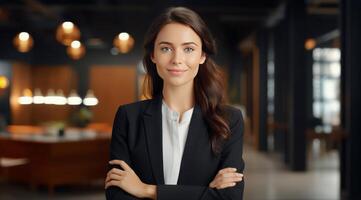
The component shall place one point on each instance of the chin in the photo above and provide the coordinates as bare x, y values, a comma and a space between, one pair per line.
178, 83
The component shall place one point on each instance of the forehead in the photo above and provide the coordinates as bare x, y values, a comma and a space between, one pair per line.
176, 33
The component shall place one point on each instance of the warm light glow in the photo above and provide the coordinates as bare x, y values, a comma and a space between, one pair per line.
3, 82
74, 98
23, 42
23, 36
50, 98
310, 44
123, 36
38, 97
59, 98
67, 32
90, 99
76, 50
26, 98
75, 44
67, 26
123, 42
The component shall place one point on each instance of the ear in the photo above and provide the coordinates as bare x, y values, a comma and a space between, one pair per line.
152, 57
203, 58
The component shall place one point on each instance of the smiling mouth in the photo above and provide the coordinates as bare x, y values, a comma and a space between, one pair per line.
176, 71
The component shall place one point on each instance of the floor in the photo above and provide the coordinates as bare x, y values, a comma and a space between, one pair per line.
266, 179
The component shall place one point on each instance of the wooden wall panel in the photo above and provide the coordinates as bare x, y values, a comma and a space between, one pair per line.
21, 79
113, 86
42, 77
54, 77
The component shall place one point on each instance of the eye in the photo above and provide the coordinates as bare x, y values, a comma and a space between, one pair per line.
188, 50
165, 49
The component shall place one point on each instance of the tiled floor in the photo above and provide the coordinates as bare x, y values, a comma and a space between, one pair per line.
266, 179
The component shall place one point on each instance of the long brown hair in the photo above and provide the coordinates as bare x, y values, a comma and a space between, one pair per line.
208, 85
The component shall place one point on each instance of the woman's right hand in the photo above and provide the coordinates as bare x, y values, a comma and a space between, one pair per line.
227, 177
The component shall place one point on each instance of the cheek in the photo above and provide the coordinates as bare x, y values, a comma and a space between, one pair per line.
195, 71
193, 62
161, 59
160, 70
161, 62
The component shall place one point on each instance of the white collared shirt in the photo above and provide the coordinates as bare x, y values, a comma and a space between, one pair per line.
174, 138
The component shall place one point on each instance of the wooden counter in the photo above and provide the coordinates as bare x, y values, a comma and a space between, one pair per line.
56, 161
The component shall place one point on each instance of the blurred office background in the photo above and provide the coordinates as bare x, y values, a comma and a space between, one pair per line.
293, 67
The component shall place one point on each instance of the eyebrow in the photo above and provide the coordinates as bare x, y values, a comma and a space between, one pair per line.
185, 43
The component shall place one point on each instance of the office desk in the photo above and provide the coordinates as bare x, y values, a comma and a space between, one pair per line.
56, 161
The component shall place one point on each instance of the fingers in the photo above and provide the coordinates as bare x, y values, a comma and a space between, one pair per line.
224, 175
114, 176
227, 177
227, 170
231, 180
226, 185
116, 171
123, 164
220, 181
112, 183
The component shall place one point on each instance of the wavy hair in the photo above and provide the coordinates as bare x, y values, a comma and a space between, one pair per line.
208, 85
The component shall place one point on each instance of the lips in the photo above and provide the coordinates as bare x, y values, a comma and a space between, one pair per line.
176, 71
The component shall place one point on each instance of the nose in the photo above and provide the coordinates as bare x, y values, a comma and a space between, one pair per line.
177, 57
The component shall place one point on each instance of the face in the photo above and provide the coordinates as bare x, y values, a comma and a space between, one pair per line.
177, 54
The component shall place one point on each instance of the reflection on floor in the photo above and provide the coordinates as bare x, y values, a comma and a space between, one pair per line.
266, 179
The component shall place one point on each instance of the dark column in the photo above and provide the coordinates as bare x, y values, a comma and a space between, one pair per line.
281, 78
298, 82
291, 77
351, 60
262, 40
234, 79
343, 143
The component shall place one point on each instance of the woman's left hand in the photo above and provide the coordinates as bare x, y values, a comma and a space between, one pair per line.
126, 179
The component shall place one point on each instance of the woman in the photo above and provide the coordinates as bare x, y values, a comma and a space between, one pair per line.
183, 143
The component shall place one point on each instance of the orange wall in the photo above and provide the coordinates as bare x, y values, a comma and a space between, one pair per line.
113, 86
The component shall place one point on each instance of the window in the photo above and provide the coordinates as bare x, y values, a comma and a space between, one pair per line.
326, 85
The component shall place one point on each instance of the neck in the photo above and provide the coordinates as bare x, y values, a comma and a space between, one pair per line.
179, 99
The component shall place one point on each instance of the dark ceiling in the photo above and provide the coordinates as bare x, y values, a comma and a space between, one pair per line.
103, 19
97, 17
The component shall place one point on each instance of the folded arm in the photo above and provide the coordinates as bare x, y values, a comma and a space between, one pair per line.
231, 158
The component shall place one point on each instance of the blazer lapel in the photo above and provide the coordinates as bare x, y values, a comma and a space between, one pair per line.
153, 129
196, 132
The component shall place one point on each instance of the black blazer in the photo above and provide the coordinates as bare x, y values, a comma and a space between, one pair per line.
137, 139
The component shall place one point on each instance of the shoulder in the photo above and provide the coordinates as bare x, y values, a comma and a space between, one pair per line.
134, 108
236, 125
234, 116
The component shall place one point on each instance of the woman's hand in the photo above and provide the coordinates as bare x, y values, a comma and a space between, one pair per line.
128, 180
227, 177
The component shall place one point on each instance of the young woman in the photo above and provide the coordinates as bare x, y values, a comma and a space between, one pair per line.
184, 142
